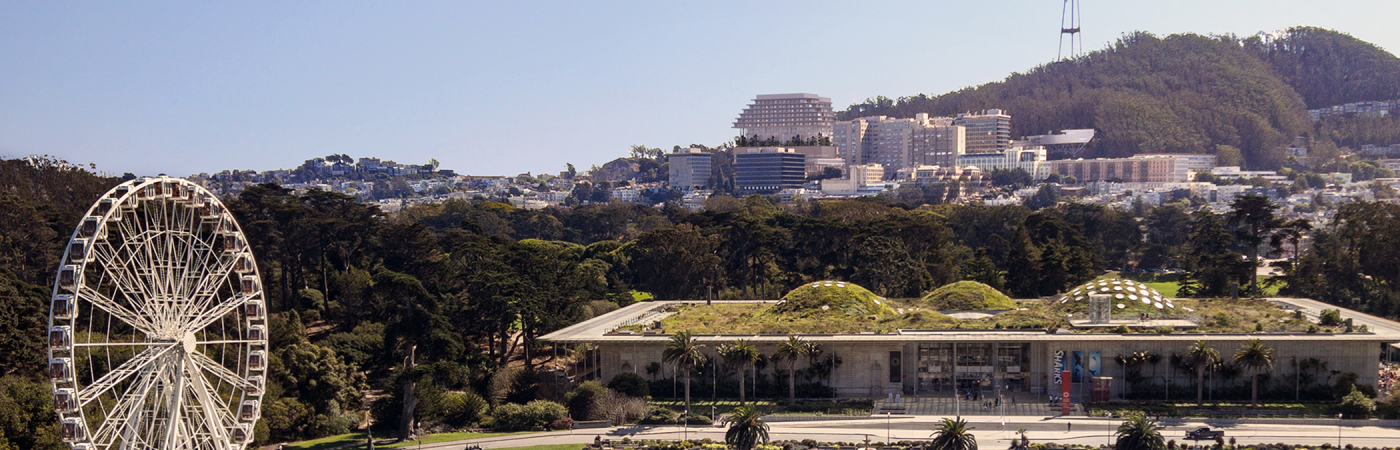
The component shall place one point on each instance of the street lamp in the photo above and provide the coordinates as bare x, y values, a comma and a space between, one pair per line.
1339, 431
887, 428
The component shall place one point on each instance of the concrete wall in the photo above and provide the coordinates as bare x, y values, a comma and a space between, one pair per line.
864, 368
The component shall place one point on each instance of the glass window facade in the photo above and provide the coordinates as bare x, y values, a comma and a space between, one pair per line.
945, 366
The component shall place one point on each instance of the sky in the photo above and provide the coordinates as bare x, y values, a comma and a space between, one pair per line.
501, 88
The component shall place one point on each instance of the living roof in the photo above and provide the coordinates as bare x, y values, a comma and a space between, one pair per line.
966, 296
1212, 315
830, 299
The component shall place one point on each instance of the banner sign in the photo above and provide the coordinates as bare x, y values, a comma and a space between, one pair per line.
1076, 366
1095, 357
1059, 366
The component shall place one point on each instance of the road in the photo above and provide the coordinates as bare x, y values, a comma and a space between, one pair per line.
989, 434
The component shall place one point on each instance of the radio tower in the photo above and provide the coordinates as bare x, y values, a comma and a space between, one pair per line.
1069, 24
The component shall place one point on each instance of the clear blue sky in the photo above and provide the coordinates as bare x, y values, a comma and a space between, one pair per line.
509, 87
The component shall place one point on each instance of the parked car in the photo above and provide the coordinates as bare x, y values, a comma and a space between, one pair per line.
1204, 433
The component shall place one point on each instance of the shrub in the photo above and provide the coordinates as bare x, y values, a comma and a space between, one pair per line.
533, 416
462, 409
514, 385
618, 408
1122, 329
697, 419
1330, 317
630, 384
1356, 405
562, 424
581, 399
659, 416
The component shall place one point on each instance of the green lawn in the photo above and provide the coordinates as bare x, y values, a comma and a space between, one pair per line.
328, 442
549, 447
358, 439
1166, 284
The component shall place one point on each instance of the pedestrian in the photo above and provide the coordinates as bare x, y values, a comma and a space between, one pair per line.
1069, 426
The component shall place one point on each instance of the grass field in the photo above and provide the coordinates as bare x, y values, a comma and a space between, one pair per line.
356, 440
549, 447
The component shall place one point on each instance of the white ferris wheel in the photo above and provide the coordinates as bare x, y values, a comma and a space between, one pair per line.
157, 327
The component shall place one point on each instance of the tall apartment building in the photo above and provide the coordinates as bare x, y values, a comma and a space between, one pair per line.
899, 143
768, 170
989, 132
690, 169
782, 116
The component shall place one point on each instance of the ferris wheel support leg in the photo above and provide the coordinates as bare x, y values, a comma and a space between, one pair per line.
217, 427
134, 411
177, 397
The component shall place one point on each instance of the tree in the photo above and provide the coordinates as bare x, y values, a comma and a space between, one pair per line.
1199, 356
1255, 357
739, 354
746, 428
792, 349
684, 353
953, 434
1139, 433
1212, 265
1254, 221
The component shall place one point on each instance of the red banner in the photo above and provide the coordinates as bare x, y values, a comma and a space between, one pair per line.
1064, 393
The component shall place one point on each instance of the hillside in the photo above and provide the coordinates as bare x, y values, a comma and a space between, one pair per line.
1183, 93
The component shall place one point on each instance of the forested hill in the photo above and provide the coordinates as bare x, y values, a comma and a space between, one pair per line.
1330, 68
1183, 93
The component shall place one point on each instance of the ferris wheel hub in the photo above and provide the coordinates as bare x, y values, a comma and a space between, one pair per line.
188, 341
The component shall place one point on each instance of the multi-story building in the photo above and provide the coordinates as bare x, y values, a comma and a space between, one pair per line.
769, 169
899, 143
989, 132
857, 177
783, 116
690, 169
1135, 169
1030, 159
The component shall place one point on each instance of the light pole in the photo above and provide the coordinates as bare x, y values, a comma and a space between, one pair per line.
887, 428
1339, 431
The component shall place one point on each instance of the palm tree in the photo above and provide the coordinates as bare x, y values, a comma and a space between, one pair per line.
953, 434
746, 429
1139, 433
684, 352
1254, 356
1025, 440
1200, 356
791, 350
740, 354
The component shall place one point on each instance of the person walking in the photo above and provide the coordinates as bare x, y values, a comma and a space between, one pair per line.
1069, 426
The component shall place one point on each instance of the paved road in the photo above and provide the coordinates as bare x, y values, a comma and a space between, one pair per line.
1313, 307
989, 434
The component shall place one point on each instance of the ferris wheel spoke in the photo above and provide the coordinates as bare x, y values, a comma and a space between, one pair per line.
115, 309
126, 413
218, 370
211, 315
110, 379
121, 275
217, 424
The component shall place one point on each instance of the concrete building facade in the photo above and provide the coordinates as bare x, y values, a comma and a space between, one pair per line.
899, 143
690, 169
783, 116
1030, 159
1135, 169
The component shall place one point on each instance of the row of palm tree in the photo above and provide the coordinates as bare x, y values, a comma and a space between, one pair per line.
685, 353
1252, 356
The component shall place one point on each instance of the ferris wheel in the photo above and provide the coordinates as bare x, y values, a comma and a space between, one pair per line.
157, 325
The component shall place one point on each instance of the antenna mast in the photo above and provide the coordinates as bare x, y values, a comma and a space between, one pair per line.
1069, 24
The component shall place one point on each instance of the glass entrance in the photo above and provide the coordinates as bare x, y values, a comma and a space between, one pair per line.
963, 366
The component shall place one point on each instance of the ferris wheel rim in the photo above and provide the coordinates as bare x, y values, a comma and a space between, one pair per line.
221, 424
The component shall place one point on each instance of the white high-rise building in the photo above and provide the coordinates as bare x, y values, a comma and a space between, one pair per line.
989, 132
783, 116
689, 169
899, 143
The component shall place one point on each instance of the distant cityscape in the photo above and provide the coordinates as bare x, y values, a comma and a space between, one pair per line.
791, 146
